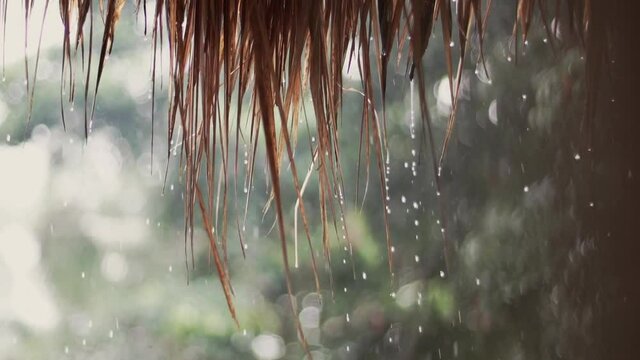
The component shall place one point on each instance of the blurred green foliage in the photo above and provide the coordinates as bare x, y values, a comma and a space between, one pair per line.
509, 206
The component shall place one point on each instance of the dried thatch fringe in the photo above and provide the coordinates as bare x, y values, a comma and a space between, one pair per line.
277, 50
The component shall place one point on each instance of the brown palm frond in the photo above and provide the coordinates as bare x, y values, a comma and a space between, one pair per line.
275, 52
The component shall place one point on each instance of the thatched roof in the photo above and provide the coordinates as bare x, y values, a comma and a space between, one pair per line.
275, 52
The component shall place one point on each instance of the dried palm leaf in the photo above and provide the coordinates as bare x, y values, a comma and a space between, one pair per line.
276, 51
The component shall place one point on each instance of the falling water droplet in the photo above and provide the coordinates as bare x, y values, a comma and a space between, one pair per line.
8, 138
477, 282
348, 318
526, 189
417, 258
82, 275
441, 274
403, 199
170, 268
416, 222
364, 275
452, 44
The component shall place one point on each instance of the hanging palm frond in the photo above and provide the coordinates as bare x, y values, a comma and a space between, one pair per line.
274, 52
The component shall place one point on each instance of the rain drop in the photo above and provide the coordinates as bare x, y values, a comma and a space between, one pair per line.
364, 275
493, 112
403, 199
441, 274
526, 189
483, 72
